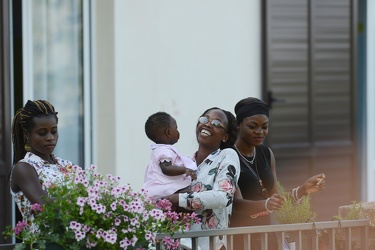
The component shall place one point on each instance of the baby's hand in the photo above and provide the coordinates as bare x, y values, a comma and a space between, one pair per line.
191, 173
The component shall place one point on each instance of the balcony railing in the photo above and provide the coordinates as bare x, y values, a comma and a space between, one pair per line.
345, 234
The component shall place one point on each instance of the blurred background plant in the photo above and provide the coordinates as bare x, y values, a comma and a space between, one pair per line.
292, 213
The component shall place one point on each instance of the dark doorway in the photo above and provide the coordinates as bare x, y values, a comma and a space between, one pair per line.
11, 83
311, 84
5, 118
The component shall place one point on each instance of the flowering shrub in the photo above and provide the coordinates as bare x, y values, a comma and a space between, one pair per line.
88, 210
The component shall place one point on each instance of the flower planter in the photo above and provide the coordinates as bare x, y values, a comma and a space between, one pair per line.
99, 205
55, 246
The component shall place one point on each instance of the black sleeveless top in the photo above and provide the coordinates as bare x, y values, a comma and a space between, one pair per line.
249, 184
248, 181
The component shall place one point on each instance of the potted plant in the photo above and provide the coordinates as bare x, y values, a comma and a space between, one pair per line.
349, 212
292, 213
91, 211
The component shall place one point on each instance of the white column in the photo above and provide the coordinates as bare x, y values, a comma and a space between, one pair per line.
370, 90
27, 51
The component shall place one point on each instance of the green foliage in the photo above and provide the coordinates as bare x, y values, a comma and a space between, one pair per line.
292, 213
90, 210
353, 213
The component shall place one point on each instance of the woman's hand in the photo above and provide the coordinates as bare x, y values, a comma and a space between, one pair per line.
275, 202
313, 184
173, 198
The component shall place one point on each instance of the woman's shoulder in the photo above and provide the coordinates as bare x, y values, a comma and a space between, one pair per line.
62, 162
229, 151
264, 149
22, 165
30, 159
21, 168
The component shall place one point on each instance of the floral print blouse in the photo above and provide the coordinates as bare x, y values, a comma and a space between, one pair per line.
213, 190
47, 173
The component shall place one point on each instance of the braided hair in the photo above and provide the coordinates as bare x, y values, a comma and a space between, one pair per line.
23, 121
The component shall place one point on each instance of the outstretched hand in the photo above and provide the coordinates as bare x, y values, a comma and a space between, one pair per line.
314, 184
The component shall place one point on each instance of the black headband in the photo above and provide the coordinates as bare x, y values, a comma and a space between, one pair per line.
254, 108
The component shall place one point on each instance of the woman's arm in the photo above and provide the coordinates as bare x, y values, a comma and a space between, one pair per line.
223, 189
273, 171
250, 207
311, 185
24, 178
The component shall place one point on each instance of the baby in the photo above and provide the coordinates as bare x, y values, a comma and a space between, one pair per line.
168, 171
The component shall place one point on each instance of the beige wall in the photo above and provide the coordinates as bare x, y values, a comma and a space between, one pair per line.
181, 57
104, 110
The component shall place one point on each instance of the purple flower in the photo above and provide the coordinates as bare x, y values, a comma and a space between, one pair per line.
36, 207
21, 225
103, 213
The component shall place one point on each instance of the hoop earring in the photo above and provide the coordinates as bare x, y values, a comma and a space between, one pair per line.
27, 145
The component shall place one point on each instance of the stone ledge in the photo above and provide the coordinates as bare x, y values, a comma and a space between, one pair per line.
368, 211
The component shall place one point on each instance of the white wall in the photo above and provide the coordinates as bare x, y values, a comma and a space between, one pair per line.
370, 79
180, 57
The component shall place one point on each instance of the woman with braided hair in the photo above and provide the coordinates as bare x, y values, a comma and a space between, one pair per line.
34, 135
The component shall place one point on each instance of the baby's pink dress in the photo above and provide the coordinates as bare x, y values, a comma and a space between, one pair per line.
158, 184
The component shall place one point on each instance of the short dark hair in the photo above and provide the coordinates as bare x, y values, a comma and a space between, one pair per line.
156, 124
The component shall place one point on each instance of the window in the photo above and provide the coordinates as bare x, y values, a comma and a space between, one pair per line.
55, 68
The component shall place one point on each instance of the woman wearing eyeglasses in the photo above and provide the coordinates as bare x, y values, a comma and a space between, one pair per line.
217, 175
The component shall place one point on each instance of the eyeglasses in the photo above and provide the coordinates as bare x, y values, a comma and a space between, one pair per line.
214, 122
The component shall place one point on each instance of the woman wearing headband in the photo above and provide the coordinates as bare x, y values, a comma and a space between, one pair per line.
258, 179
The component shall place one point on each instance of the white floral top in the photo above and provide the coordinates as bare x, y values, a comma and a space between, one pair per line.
213, 190
47, 172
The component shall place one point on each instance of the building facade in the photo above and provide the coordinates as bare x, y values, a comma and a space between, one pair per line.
108, 65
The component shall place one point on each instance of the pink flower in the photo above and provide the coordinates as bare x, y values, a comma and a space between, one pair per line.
21, 225
100, 212
113, 206
198, 187
164, 204
211, 222
81, 201
36, 207
47, 184
196, 204
226, 186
